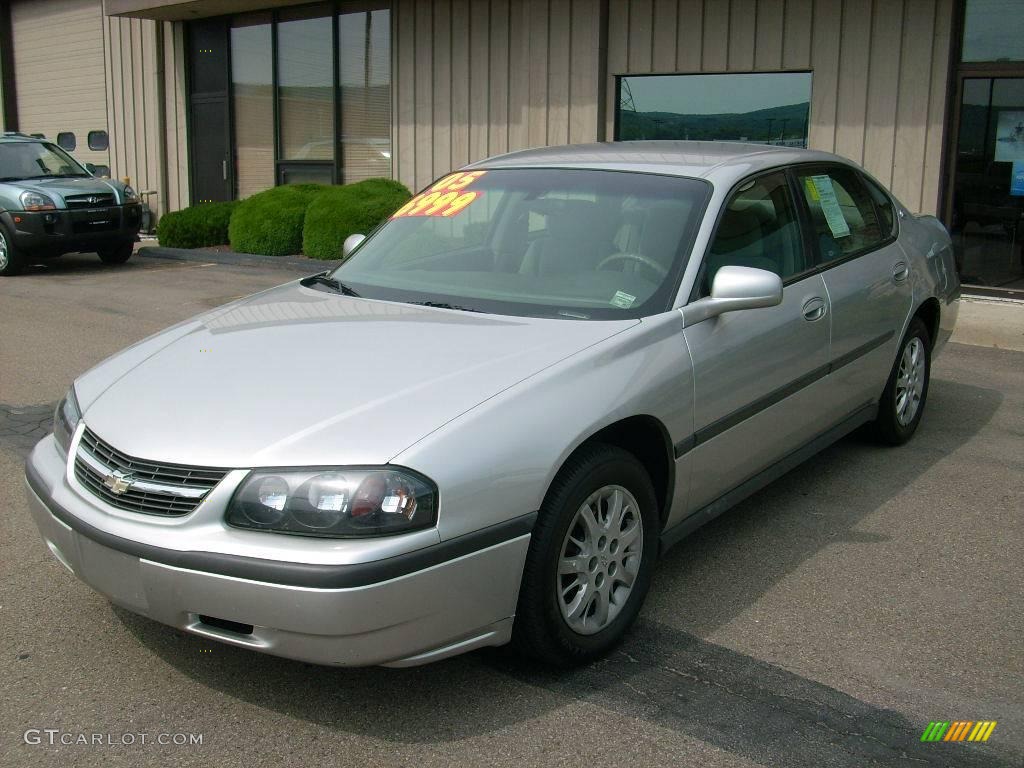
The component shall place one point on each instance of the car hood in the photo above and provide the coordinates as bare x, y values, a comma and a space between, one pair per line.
297, 376
63, 187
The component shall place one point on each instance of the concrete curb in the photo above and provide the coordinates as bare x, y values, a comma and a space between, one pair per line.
985, 322
237, 259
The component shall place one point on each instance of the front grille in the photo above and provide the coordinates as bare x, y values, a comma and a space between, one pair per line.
152, 488
92, 200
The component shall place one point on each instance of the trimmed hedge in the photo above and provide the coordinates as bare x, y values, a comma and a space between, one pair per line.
270, 222
337, 212
196, 227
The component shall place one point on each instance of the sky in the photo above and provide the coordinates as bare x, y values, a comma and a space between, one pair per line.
713, 94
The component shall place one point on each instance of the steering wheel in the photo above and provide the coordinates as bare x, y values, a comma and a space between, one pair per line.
647, 261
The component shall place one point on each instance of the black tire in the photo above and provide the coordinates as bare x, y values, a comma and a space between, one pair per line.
117, 254
888, 428
11, 262
540, 630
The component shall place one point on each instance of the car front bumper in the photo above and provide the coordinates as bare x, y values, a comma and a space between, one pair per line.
406, 618
65, 231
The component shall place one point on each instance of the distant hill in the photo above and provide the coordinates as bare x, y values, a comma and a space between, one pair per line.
787, 122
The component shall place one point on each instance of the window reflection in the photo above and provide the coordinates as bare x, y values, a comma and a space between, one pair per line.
364, 73
993, 31
766, 108
305, 59
252, 80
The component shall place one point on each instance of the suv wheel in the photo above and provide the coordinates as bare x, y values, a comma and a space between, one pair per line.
10, 262
590, 559
117, 254
902, 403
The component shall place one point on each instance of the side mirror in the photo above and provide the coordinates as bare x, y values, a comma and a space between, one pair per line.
351, 243
91, 168
735, 288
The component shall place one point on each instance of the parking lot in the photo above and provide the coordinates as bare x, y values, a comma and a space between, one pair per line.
824, 622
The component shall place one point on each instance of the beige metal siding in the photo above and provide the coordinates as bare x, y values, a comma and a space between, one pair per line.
473, 78
59, 70
880, 68
133, 91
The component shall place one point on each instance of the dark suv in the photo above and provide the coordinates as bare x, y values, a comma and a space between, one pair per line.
51, 205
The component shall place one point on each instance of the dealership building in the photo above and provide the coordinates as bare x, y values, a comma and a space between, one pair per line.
205, 100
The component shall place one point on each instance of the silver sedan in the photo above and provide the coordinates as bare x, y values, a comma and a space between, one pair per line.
487, 424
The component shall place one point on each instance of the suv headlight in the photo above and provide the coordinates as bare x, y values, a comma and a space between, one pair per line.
335, 502
65, 420
130, 195
36, 201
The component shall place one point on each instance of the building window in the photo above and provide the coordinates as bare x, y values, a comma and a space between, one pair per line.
310, 95
364, 78
252, 89
764, 108
993, 31
66, 141
305, 60
98, 141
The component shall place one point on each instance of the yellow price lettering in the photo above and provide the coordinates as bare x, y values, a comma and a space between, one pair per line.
440, 203
424, 202
459, 203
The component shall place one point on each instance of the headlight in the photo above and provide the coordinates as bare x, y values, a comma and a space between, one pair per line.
65, 420
36, 201
130, 195
338, 502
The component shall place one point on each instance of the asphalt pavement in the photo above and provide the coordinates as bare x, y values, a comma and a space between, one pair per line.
824, 622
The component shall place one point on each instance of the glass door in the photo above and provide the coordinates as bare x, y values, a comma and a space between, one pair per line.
988, 183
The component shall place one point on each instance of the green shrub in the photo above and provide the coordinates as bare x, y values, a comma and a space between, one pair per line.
196, 227
270, 222
338, 212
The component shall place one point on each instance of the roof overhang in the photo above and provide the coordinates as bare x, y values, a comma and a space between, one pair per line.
179, 10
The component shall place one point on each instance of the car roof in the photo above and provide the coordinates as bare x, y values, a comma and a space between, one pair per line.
717, 161
21, 138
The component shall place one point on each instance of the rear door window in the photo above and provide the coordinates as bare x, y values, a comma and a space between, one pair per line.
844, 219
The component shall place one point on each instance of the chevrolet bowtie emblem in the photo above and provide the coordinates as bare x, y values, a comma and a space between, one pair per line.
118, 482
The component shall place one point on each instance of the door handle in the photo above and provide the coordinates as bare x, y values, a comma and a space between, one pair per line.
814, 309
224, 168
900, 271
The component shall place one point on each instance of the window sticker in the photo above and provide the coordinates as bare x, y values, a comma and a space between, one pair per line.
821, 191
446, 198
622, 300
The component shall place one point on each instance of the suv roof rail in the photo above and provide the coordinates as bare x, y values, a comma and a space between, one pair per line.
20, 134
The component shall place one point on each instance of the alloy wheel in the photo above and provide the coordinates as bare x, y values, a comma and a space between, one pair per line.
910, 381
4, 255
599, 560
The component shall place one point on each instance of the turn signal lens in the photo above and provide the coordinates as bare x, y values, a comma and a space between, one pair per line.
342, 502
65, 421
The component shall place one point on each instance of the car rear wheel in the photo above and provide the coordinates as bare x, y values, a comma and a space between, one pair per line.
590, 559
118, 254
10, 261
902, 403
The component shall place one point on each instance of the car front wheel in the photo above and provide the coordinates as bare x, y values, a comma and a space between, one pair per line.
590, 559
117, 254
902, 403
10, 262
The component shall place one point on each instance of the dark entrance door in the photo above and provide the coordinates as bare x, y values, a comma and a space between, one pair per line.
988, 181
210, 159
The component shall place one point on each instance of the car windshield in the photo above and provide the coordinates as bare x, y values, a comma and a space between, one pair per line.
36, 160
581, 244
